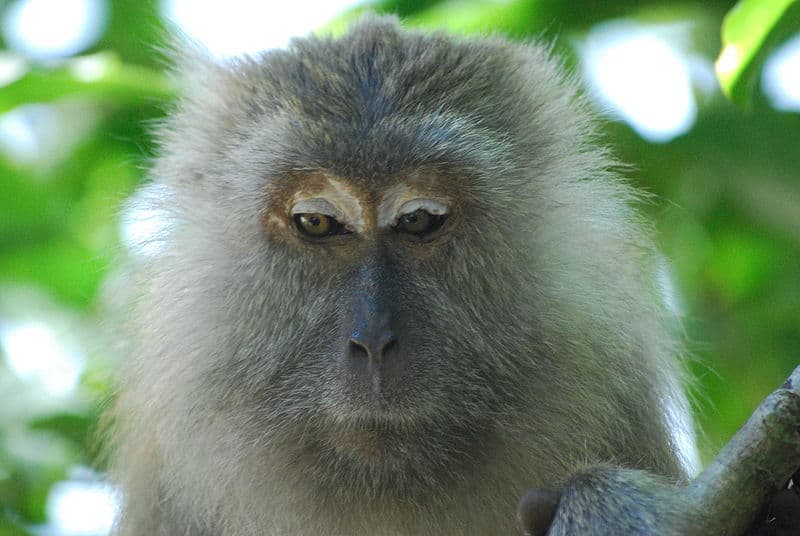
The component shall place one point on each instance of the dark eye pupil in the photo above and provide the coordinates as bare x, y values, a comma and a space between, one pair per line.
420, 222
318, 225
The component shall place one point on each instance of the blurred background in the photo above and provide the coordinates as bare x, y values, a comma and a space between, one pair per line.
80, 82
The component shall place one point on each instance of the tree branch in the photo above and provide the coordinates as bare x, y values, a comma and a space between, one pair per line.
754, 465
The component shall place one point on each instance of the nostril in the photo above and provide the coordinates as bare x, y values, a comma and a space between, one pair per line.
388, 344
357, 350
373, 349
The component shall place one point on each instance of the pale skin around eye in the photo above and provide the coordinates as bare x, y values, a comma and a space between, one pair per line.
316, 215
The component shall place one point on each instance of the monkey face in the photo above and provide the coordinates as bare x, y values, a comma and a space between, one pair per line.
375, 329
367, 228
370, 304
410, 351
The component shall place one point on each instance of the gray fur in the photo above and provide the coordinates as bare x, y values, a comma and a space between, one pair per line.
538, 339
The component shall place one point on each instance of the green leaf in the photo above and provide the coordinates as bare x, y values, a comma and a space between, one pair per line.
100, 75
71, 271
75, 428
9, 529
749, 32
513, 18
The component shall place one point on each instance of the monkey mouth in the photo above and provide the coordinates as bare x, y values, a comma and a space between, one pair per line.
371, 438
371, 444
398, 459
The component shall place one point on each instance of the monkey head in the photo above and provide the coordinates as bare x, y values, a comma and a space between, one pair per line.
393, 257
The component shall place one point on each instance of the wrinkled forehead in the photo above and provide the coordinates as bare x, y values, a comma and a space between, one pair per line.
408, 147
377, 134
368, 176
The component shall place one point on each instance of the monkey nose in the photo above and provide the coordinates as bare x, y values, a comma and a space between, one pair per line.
371, 346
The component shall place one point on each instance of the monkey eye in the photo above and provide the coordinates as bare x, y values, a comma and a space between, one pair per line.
419, 222
317, 225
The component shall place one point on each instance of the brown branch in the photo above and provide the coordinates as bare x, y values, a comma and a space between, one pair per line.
754, 465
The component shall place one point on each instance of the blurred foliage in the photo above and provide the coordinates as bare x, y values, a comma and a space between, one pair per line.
727, 210
748, 33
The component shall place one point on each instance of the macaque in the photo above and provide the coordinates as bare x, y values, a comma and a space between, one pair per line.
402, 283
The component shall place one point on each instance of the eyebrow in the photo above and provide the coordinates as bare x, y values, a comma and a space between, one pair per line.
317, 204
331, 198
402, 195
